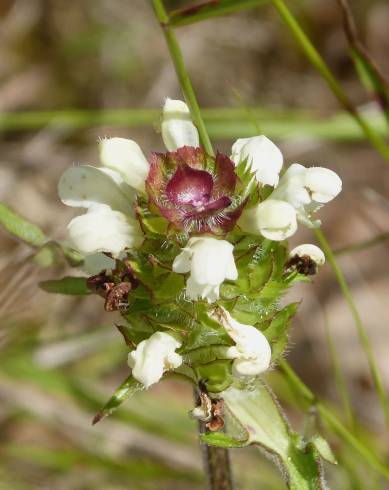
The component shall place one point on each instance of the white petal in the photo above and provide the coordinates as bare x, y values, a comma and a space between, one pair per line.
195, 291
273, 219
177, 127
126, 157
211, 260
323, 183
95, 263
153, 357
310, 250
86, 186
182, 262
103, 230
263, 155
252, 351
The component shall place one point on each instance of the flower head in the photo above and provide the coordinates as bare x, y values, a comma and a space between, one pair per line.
263, 156
193, 190
307, 189
210, 262
251, 352
273, 219
154, 356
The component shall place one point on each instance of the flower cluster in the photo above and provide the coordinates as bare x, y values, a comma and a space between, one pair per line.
217, 222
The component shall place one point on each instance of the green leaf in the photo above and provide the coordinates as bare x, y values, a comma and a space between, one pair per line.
280, 323
257, 411
169, 286
21, 228
67, 285
204, 355
323, 448
216, 375
129, 387
220, 439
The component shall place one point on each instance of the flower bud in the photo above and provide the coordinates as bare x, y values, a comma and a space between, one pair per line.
210, 262
103, 230
252, 352
309, 250
126, 157
178, 129
154, 356
273, 219
262, 155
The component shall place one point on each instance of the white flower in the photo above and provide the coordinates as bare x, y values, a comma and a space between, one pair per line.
210, 262
177, 127
103, 230
273, 219
252, 352
309, 250
307, 189
109, 224
125, 157
263, 155
153, 357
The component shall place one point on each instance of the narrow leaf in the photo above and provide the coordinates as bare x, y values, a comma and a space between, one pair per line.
208, 9
323, 448
129, 387
67, 285
21, 228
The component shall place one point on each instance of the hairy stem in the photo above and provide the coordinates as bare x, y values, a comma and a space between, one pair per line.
217, 466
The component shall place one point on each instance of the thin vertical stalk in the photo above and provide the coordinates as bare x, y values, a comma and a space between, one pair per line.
317, 61
364, 339
339, 377
217, 465
182, 74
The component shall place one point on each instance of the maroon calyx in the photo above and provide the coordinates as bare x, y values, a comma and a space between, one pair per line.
193, 190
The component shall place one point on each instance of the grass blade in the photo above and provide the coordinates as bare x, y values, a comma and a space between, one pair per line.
21, 228
368, 71
318, 62
210, 9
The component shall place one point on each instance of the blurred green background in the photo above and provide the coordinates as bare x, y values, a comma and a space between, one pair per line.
60, 357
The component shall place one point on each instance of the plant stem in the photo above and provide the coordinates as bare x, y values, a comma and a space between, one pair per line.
217, 465
364, 339
182, 74
328, 416
317, 61
356, 247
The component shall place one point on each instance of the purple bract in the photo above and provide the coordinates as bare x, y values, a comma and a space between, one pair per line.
193, 190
